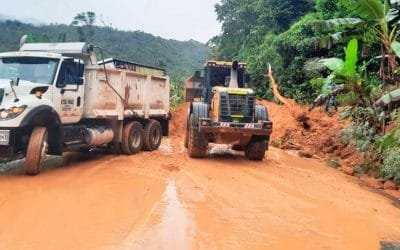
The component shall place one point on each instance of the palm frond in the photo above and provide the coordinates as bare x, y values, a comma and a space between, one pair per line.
396, 48
334, 24
333, 64
367, 9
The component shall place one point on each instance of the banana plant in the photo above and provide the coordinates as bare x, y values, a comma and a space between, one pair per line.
345, 72
375, 21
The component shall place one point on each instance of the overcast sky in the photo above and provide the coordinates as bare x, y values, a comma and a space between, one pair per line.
176, 19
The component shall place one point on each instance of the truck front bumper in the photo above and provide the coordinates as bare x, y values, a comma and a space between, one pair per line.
206, 125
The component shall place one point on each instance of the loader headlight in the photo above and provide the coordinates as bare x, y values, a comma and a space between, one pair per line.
11, 112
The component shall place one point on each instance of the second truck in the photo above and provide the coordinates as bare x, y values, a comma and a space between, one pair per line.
223, 111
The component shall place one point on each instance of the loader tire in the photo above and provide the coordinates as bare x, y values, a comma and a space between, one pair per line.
186, 137
255, 150
152, 135
132, 138
37, 151
197, 142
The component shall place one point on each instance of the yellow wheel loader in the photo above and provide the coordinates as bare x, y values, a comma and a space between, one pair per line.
226, 112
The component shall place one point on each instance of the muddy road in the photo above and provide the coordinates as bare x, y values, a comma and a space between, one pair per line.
165, 200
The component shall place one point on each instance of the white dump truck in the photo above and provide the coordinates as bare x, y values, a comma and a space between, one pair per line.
56, 97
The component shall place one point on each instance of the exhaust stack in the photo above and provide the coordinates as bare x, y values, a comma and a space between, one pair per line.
233, 83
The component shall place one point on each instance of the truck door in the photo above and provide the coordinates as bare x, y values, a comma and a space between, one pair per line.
68, 98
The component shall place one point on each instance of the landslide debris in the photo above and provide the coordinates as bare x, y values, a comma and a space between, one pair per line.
297, 128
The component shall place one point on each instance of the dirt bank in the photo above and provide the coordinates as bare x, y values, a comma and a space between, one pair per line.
165, 200
312, 131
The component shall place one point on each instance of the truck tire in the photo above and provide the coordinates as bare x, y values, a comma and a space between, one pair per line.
37, 150
152, 135
261, 113
255, 150
132, 138
197, 143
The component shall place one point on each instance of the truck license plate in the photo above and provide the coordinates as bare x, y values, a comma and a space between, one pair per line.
4, 137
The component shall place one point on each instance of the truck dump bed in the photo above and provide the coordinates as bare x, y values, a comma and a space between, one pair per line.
139, 95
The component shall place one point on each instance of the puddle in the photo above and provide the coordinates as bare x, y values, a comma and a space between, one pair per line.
388, 245
174, 230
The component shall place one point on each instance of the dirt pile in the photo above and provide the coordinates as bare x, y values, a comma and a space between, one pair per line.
178, 120
296, 128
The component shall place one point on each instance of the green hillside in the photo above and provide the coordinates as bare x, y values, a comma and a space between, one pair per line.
180, 58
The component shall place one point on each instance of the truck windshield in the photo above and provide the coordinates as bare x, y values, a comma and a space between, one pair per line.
33, 69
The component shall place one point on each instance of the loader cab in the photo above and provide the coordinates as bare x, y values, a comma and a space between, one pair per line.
215, 74
218, 74
224, 90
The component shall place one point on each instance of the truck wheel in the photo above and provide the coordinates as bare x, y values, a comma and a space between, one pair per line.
255, 150
37, 150
132, 138
197, 143
152, 135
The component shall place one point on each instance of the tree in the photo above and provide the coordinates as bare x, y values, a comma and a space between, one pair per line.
245, 23
84, 23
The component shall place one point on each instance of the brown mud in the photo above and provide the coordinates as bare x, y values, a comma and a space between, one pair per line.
166, 200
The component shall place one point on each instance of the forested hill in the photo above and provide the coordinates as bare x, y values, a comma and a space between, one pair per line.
179, 58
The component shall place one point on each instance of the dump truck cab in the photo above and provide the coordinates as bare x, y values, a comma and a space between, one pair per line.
37, 89
226, 112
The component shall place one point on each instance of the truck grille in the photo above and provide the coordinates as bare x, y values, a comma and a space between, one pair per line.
1, 95
236, 105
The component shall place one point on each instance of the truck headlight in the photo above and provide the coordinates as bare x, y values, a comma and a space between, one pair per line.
11, 112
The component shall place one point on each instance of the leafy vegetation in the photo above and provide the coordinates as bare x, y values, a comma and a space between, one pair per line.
180, 58
391, 165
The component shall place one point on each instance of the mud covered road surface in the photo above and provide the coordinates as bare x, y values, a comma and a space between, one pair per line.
165, 200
